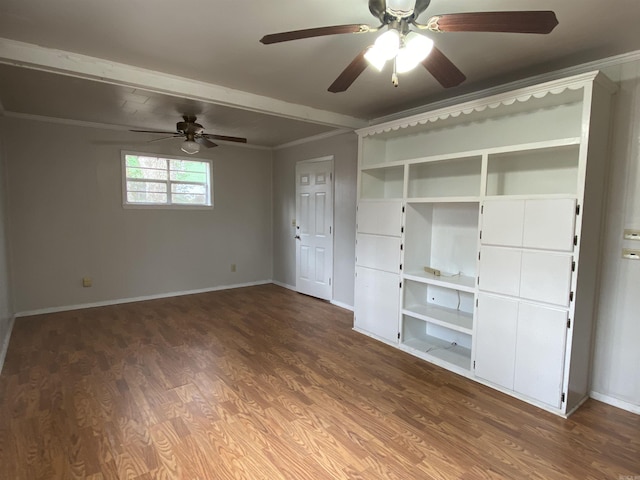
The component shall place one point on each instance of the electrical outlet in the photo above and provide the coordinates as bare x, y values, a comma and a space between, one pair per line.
629, 254
87, 282
233, 267
631, 234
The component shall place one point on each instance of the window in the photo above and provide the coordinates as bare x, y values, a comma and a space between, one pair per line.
168, 182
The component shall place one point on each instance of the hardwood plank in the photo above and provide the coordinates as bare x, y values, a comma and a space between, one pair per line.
262, 382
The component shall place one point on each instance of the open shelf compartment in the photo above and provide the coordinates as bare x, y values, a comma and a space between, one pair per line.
384, 182
439, 305
459, 177
443, 236
436, 341
540, 171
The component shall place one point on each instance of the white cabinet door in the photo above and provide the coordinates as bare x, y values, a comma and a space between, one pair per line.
380, 218
379, 252
546, 277
495, 347
500, 270
377, 303
502, 222
540, 352
549, 224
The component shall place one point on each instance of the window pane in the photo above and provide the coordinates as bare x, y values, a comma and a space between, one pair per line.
133, 172
189, 199
188, 166
146, 162
189, 177
146, 187
144, 197
188, 188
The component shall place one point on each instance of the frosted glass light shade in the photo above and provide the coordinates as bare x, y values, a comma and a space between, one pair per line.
385, 48
400, 8
190, 147
374, 58
416, 48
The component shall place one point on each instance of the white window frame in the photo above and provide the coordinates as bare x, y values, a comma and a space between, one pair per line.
166, 206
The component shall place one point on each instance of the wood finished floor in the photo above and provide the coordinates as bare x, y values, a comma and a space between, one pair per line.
264, 383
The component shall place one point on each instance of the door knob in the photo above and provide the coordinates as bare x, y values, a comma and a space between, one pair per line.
297, 236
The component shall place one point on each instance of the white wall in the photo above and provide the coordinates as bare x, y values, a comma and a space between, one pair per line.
6, 309
344, 148
616, 370
67, 221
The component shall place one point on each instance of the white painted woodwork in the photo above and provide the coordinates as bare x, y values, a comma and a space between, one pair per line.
380, 218
377, 300
540, 351
314, 229
524, 160
495, 350
502, 222
545, 277
379, 252
500, 270
549, 224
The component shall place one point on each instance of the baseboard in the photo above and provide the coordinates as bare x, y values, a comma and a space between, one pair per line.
5, 342
284, 285
614, 402
118, 301
342, 305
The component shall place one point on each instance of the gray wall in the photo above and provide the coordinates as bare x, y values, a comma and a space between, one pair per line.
344, 149
6, 309
616, 372
67, 221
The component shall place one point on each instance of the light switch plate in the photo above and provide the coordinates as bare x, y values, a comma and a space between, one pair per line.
630, 254
631, 234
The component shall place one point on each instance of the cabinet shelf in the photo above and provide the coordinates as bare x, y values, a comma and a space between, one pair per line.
458, 282
431, 346
446, 317
443, 200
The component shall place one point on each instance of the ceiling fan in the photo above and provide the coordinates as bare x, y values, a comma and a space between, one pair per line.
194, 135
407, 48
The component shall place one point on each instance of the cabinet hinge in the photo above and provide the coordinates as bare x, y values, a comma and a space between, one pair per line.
571, 297
569, 323
480, 234
577, 209
476, 302
562, 397
398, 335
482, 209
401, 247
400, 284
403, 209
330, 177
573, 266
401, 229
478, 255
474, 364
330, 230
478, 280
400, 267
575, 240
329, 281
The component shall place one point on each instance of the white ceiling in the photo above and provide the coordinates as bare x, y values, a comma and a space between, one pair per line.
143, 63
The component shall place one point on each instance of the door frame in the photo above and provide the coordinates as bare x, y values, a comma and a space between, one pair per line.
333, 216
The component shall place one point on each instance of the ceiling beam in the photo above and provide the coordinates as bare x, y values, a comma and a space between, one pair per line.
81, 66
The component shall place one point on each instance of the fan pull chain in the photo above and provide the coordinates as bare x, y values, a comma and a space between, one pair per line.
394, 76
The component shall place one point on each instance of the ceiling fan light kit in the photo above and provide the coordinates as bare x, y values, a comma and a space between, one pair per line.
191, 147
407, 48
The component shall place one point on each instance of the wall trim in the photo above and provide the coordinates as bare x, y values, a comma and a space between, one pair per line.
515, 85
341, 305
314, 138
118, 301
5, 341
614, 402
284, 285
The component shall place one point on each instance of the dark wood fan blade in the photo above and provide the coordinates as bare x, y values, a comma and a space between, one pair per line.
164, 138
154, 131
205, 142
508, 22
443, 69
313, 32
349, 74
225, 138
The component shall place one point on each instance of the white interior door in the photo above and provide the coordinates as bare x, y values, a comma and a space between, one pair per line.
314, 228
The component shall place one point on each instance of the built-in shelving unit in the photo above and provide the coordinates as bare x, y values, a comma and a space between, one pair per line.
471, 224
